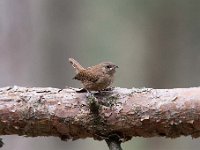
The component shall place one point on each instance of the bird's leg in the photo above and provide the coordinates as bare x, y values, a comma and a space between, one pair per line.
89, 94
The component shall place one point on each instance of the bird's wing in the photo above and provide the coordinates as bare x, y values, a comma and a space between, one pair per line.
86, 76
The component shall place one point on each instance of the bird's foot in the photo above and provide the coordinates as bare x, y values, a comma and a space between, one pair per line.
89, 94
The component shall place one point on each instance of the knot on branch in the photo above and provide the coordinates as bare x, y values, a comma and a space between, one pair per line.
1, 143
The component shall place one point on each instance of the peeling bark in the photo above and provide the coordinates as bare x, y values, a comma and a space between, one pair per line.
124, 112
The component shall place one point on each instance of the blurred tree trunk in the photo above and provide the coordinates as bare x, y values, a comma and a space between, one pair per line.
60, 25
172, 62
15, 40
174, 27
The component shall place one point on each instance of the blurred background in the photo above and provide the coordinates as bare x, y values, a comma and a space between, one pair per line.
155, 43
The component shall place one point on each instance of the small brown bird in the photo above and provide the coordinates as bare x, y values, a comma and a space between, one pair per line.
95, 78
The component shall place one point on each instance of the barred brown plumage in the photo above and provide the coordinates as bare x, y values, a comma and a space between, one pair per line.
95, 78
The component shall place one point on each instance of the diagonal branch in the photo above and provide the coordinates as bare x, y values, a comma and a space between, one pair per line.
123, 112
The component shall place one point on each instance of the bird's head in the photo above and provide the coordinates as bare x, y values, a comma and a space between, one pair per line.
109, 67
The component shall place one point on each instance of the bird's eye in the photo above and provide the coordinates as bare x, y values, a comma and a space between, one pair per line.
108, 67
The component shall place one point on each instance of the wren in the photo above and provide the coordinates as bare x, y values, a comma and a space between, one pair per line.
95, 78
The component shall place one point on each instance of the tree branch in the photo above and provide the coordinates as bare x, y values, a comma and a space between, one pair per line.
114, 142
123, 112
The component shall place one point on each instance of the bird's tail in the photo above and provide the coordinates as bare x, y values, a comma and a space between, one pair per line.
76, 65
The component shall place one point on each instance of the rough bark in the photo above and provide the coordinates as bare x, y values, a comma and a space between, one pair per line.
123, 112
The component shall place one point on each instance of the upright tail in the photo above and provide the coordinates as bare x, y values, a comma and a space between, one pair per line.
76, 65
